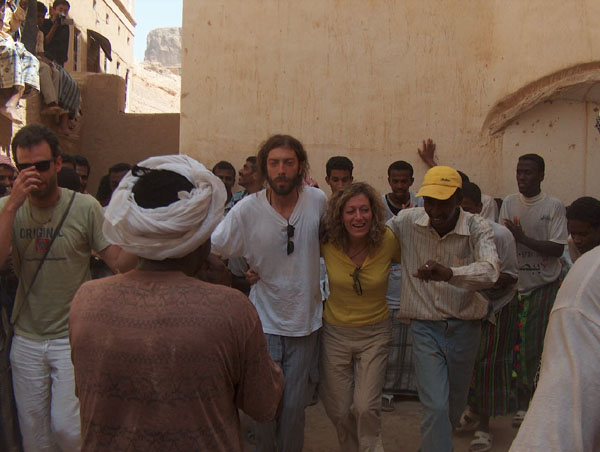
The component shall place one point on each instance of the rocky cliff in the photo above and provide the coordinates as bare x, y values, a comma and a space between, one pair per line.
155, 89
163, 45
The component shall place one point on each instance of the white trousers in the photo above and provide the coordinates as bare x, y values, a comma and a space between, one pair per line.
44, 386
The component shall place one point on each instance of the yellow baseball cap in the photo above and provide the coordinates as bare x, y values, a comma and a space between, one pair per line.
440, 182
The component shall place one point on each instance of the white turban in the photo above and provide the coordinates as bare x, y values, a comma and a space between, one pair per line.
171, 231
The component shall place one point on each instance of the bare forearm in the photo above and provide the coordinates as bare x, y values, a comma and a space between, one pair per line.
240, 283
547, 248
505, 280
475, 276
7, 219
27, 181
48, 38
126, 262
118, 260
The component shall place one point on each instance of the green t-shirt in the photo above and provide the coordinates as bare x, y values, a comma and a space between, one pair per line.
45, 314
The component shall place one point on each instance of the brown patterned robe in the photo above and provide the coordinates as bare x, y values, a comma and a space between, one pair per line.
163, 362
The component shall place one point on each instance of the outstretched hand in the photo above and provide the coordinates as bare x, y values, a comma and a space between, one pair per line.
433, 271
427, 154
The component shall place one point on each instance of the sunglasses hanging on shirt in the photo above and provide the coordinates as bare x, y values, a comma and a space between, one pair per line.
290, 235
356, 282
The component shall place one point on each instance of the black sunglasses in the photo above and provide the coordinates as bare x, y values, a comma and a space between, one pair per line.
290, 235
356, 282
43, 165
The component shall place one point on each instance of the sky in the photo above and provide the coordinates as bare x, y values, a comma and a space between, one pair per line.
151, 14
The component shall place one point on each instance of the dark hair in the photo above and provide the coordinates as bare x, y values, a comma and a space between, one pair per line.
252, 159
158, 188
539, 161
68, 158
3, 190
68, 178
119, 168
286, 142
41, 8
223, 165
499, 202
80, 160
57, 3
400, 165
104, 192
464, 177
585, 209
339, 162
32, 135
472, 192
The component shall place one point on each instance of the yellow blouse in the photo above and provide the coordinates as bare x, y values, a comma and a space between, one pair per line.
345, 307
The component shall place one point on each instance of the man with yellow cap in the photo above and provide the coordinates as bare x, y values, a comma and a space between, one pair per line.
448, 254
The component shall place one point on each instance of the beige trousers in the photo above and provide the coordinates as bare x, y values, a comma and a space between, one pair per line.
352, 371
48, 83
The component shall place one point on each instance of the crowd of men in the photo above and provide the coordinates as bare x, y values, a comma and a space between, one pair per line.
33, 51
158, 357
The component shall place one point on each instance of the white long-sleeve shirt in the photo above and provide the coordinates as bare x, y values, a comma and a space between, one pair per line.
287, 296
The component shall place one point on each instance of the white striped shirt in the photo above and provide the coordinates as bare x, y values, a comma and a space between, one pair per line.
468, 249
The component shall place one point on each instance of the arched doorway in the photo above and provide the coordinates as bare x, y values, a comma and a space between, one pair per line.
554, 117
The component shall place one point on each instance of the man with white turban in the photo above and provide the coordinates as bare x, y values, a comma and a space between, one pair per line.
163, 360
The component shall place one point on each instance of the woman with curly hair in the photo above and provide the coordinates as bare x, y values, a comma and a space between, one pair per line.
358, 250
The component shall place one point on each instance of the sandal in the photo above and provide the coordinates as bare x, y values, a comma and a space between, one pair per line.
518, 418
387, 403
469, 421
482, 442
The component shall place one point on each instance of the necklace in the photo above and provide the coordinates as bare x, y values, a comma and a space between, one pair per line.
402, 205
50, 209
42, 221
352, 256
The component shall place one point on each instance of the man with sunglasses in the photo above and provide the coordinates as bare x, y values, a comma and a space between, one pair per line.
277, 231
51, 265
447, 255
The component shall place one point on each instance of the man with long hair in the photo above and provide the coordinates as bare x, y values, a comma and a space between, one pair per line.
277, 231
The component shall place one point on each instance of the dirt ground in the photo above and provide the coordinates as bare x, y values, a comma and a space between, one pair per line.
400, 430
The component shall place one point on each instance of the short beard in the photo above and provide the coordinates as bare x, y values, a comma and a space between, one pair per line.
48, 191
296, 182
